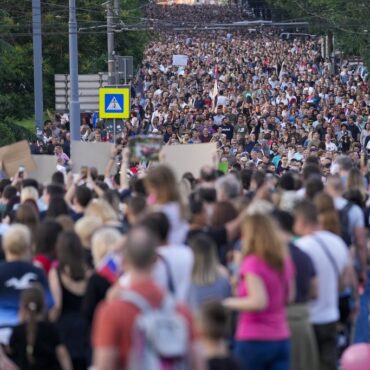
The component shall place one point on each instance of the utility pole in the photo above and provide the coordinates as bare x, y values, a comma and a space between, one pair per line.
117, 5
110, 42
37, 65
74, 104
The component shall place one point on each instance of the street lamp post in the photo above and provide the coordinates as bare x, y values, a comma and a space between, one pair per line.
37, 65
74, 104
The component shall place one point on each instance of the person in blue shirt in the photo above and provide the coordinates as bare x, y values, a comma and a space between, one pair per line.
16, 274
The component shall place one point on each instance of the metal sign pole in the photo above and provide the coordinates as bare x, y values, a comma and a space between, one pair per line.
37, 65
74, 104
114, 131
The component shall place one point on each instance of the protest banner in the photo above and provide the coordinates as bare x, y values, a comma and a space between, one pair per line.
90, 155
188, 158
180, 60
15, 155
46, 165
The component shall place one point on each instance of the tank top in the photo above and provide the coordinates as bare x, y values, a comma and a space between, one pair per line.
71, 302
72, 325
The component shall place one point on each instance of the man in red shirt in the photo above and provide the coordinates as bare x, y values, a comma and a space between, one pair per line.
115, 318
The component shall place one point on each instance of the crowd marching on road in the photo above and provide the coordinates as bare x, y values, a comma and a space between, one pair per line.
261, 263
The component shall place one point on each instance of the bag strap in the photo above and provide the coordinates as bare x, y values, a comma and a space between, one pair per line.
137, 300
347, 207
143, 305
328, 255
171, 285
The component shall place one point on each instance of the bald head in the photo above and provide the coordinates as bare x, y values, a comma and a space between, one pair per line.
140, 248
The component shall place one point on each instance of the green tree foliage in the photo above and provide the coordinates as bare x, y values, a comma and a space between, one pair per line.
349, 20
6, 136
19, 133
12, 133
16, 58
16, 83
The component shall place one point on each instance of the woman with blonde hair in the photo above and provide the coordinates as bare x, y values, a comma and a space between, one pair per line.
209, 280
27, 215
265, 287
355, 181
104, 243
160, 184
102, 210
85, 228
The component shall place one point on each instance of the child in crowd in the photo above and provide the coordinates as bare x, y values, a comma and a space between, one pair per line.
35, 342
213, 330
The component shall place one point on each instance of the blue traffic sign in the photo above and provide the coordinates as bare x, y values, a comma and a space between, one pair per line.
114, 102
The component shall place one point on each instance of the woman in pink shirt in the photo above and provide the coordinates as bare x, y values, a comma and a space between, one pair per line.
265, 287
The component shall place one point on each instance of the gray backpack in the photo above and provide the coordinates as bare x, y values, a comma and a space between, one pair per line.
160, 337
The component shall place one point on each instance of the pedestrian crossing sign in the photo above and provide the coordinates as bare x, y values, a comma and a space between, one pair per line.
114, 102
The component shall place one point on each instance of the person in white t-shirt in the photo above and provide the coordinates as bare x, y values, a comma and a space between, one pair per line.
356, 219
173, 268
332, 262
222, 99
329, 145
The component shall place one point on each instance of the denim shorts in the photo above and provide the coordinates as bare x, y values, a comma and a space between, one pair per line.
263, 355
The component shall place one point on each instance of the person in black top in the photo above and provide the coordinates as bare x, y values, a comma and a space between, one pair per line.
82, 197
353, 129
227, 128
214, 329
35, 343
68, 285
223, 236
304, 353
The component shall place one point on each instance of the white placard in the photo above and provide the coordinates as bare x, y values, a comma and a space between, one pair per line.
180, 60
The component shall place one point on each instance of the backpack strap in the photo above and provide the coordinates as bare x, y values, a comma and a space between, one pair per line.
168, 303
328, 255
137, 300
171, 284
130, 296
347, 207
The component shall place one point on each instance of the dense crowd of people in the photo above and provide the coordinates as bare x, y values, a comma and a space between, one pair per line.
261, 263
180, 14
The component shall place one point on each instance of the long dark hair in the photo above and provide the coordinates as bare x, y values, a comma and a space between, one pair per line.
47, 235
32, 303
27, 215
57, 207
70, 255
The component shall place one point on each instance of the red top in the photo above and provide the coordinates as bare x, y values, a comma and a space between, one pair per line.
44, 262
114, 320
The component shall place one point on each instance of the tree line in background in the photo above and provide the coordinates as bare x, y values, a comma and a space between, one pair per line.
349, 21
16, 49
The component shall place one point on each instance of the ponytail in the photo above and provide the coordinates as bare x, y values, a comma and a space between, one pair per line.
31, 331
32, 306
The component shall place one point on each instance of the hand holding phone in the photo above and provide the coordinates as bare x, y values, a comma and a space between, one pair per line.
84, 172
21, 171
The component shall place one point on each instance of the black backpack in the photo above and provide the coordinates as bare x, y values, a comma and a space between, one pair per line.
344, 223
367, 217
